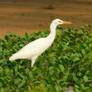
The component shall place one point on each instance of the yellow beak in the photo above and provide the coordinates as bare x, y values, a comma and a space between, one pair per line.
67, 22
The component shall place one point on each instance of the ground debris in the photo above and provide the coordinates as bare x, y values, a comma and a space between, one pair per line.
69, 89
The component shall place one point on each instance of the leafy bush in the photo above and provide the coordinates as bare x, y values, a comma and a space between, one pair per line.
68, 62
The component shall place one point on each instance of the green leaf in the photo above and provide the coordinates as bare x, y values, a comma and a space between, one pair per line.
2, 89
85, 78
57, 88
61, 67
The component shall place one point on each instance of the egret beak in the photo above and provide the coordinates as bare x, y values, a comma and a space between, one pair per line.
67, 22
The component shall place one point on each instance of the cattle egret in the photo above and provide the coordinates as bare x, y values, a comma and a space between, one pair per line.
35, 48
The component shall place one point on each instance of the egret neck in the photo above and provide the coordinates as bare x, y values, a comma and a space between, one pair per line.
52, 34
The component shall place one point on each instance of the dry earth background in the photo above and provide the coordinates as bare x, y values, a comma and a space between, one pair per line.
20, 16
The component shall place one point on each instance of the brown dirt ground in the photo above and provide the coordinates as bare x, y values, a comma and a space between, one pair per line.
20, 16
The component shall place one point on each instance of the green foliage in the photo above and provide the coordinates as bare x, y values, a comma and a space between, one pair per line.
68, 62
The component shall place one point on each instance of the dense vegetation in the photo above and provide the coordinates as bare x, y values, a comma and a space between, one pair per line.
68, 62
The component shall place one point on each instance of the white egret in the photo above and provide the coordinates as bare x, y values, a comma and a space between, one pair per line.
35, 48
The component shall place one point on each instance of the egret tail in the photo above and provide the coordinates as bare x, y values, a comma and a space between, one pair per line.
14, 57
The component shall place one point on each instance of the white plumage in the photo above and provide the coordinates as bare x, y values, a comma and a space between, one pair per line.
35, 48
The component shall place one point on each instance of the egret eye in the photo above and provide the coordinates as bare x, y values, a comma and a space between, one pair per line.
59, 21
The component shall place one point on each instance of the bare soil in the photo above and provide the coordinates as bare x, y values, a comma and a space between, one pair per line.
20, 16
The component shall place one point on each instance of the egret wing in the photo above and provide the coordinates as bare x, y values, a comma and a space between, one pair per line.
33, 48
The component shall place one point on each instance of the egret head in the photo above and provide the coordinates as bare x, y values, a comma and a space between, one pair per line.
56, 22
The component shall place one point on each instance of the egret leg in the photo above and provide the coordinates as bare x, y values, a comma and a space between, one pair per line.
33, 61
